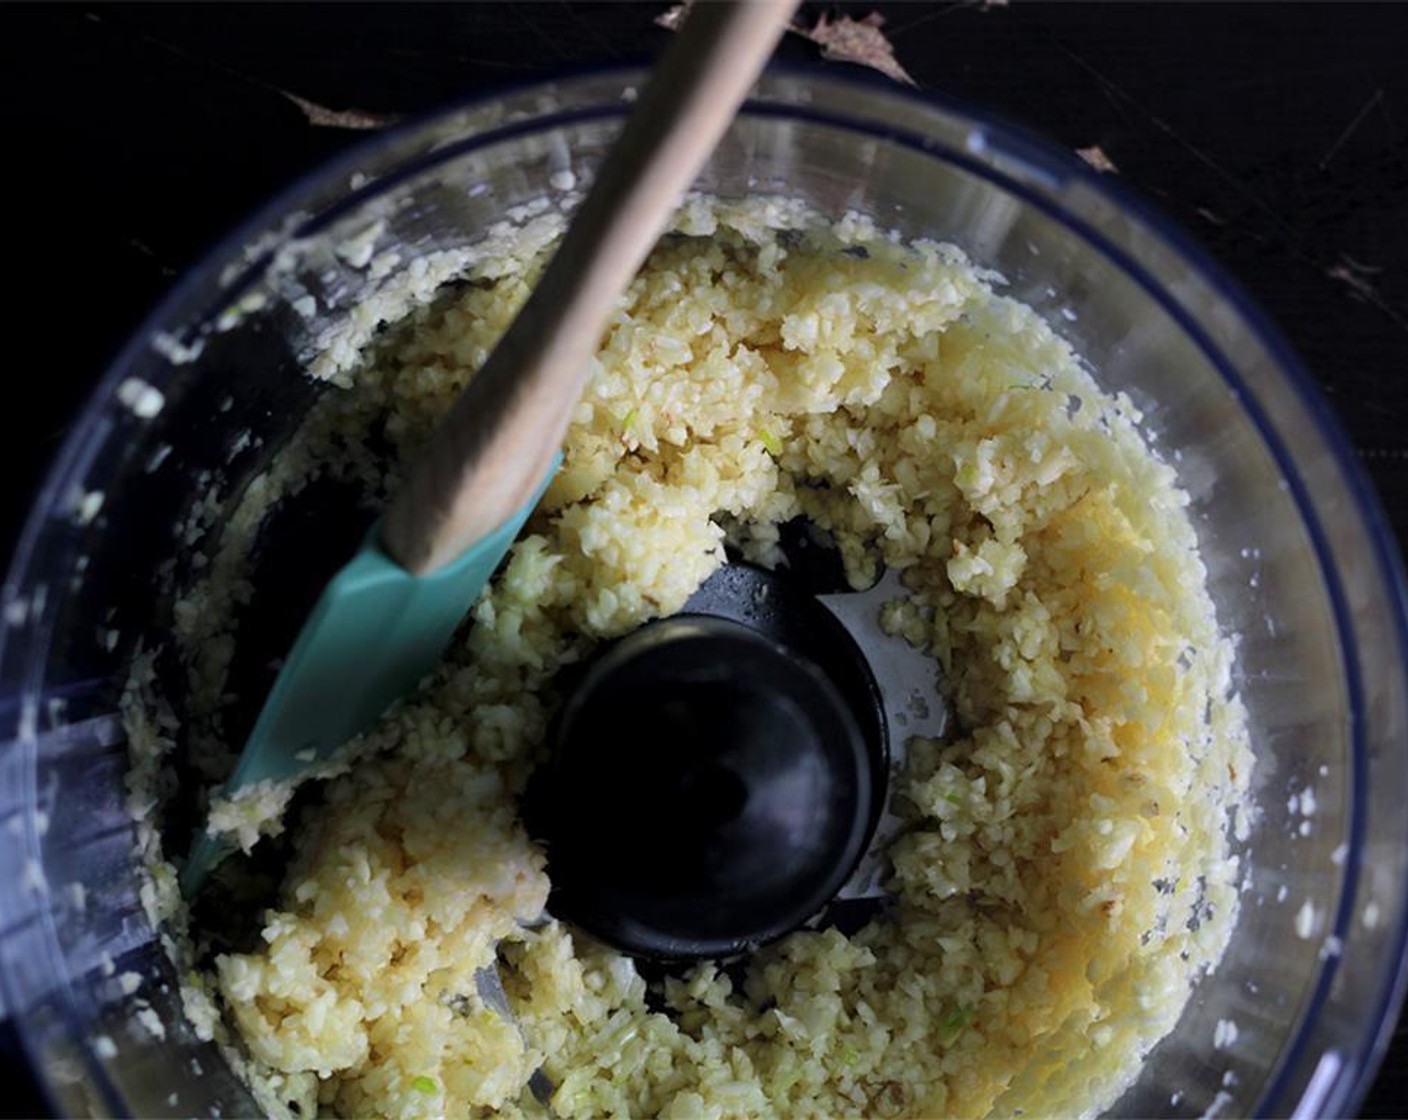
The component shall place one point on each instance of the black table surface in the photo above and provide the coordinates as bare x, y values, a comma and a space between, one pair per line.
1275, 133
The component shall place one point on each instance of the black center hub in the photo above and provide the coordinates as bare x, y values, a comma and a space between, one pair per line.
714, 776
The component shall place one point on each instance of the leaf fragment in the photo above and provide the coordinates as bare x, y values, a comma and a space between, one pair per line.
671, 19
857, 40
323, 117
842, 39
1096, 157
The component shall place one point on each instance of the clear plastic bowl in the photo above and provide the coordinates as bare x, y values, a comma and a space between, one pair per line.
1300, 563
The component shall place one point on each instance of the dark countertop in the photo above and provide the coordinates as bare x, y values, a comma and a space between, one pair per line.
1276, 134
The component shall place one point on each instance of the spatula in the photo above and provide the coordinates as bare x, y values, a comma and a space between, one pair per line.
385, 618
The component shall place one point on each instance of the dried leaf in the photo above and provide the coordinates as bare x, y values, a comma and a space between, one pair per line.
860, 41
671, 20
845, 39
324, 117
1096, 157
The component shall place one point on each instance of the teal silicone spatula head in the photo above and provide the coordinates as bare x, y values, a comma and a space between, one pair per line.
374, 633
385, 618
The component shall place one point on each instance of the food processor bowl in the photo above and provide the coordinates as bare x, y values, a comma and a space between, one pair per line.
1299, 562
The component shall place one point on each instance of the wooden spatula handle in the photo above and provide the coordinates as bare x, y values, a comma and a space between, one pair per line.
489, 454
